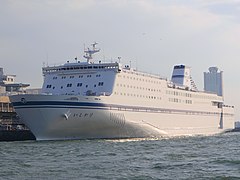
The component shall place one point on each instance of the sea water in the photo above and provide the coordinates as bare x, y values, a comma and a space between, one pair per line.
197, 157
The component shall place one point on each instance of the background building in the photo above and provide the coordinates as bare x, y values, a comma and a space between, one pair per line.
213, 81
8, 84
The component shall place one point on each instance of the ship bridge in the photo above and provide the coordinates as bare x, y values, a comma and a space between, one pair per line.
81, 78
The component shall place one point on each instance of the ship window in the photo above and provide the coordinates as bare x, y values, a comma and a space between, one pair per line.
79, 84
61, 87
95, 85
71, 77
49, 86
86, 86
81, 76
69, 85
101, 84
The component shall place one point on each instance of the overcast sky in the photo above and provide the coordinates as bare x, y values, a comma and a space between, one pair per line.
152, 34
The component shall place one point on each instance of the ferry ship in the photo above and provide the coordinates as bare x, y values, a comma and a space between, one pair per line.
88, 100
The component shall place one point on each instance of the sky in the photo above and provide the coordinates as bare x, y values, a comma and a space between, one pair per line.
153, 35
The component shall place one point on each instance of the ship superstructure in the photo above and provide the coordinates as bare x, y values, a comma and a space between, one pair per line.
108, 100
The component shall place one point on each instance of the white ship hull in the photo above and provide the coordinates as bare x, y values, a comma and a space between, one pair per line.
53, 117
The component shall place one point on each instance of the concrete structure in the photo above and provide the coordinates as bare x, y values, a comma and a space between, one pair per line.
8, 84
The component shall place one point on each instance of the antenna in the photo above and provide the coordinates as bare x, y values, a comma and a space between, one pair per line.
104, 55
47, 55
136, 64
90, 52
119, 59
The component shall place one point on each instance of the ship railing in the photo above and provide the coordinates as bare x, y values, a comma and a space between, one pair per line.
145, 74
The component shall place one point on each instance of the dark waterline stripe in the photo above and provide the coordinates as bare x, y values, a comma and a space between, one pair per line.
101, 106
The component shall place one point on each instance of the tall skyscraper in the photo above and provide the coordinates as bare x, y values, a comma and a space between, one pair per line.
213, 81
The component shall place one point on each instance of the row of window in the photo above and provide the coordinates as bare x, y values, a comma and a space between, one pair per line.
80, 76
141, 88
176, 93
137, 95
183, 94
81, 67
176, 100
78, 85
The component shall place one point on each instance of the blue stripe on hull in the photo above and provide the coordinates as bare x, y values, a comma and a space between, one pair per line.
102, 106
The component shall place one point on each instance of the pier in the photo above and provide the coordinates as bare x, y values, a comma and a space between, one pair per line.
11, 129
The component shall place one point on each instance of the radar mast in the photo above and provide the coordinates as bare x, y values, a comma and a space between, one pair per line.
89, 52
